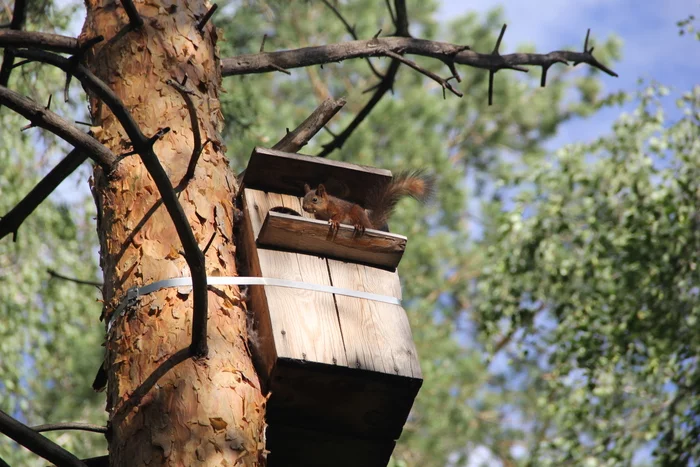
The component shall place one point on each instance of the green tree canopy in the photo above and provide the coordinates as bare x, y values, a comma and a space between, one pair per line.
50, 329
593, 270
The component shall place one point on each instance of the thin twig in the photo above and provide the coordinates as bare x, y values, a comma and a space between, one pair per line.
207, 17
384, 86
204, 251
70, 426
44, 118
10, 222
37, 443
194, 123
57, 275
391, 11
353, 34
294, 140
442, 82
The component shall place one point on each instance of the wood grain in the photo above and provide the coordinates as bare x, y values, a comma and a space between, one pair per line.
377, 335
304, 323
286, 173
294, 233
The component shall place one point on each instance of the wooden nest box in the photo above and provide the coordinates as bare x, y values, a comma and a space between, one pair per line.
342, 371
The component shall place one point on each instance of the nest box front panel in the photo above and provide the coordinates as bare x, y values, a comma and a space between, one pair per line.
303, 323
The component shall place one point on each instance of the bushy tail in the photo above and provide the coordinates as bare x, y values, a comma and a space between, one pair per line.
383, 198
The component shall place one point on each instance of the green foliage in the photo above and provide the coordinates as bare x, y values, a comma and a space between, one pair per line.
461, 405
50, 335
49, 332
595, 270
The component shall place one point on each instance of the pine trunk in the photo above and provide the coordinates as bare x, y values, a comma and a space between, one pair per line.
206, 411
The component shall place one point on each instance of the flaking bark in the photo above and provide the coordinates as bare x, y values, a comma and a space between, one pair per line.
207, 411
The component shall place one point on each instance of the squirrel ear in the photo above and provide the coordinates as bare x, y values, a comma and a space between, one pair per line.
321, 190
307, 188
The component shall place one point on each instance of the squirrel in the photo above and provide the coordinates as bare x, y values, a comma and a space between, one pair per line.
380, 202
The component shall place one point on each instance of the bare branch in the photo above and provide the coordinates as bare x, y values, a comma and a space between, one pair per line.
94, 84
42, 40
144, 147
135, 20
36, 443
194, 122
207, 17
401, 19
301, 135
57, 275
442, 82
19, 16
11, 222
384, 86
391, 11
352, 32
42, 117
70, 426
318, 55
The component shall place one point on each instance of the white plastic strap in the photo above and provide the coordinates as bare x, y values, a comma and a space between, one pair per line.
135, 292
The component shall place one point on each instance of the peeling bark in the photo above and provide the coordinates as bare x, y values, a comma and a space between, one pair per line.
208, 411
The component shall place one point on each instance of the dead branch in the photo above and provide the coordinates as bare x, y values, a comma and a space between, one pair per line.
352, 32
207, 16
400, 20
446, 52
144, 147
36, 443
19, 17
11, 222
70, 426
42, 117
384, 85
194, 122
442, 82
42, 40
300, 136
135, 20
57, 275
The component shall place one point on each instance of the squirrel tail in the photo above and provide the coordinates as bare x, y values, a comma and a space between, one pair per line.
413, 183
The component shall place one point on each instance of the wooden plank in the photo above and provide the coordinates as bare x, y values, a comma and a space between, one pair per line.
264, 352
377, 335
293, 446
286, 173
304, 324
294, 233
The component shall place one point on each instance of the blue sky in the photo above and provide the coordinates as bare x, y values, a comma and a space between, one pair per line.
652, 48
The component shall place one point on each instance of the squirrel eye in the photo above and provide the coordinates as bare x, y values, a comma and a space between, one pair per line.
315, 199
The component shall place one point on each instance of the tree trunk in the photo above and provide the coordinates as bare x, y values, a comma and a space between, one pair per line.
206, 411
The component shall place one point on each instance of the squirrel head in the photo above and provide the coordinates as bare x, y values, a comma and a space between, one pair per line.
314, 199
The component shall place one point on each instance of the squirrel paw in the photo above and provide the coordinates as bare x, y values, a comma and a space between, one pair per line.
333, 230
359, 231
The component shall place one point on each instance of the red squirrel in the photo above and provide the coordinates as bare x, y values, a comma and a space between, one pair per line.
380, 202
